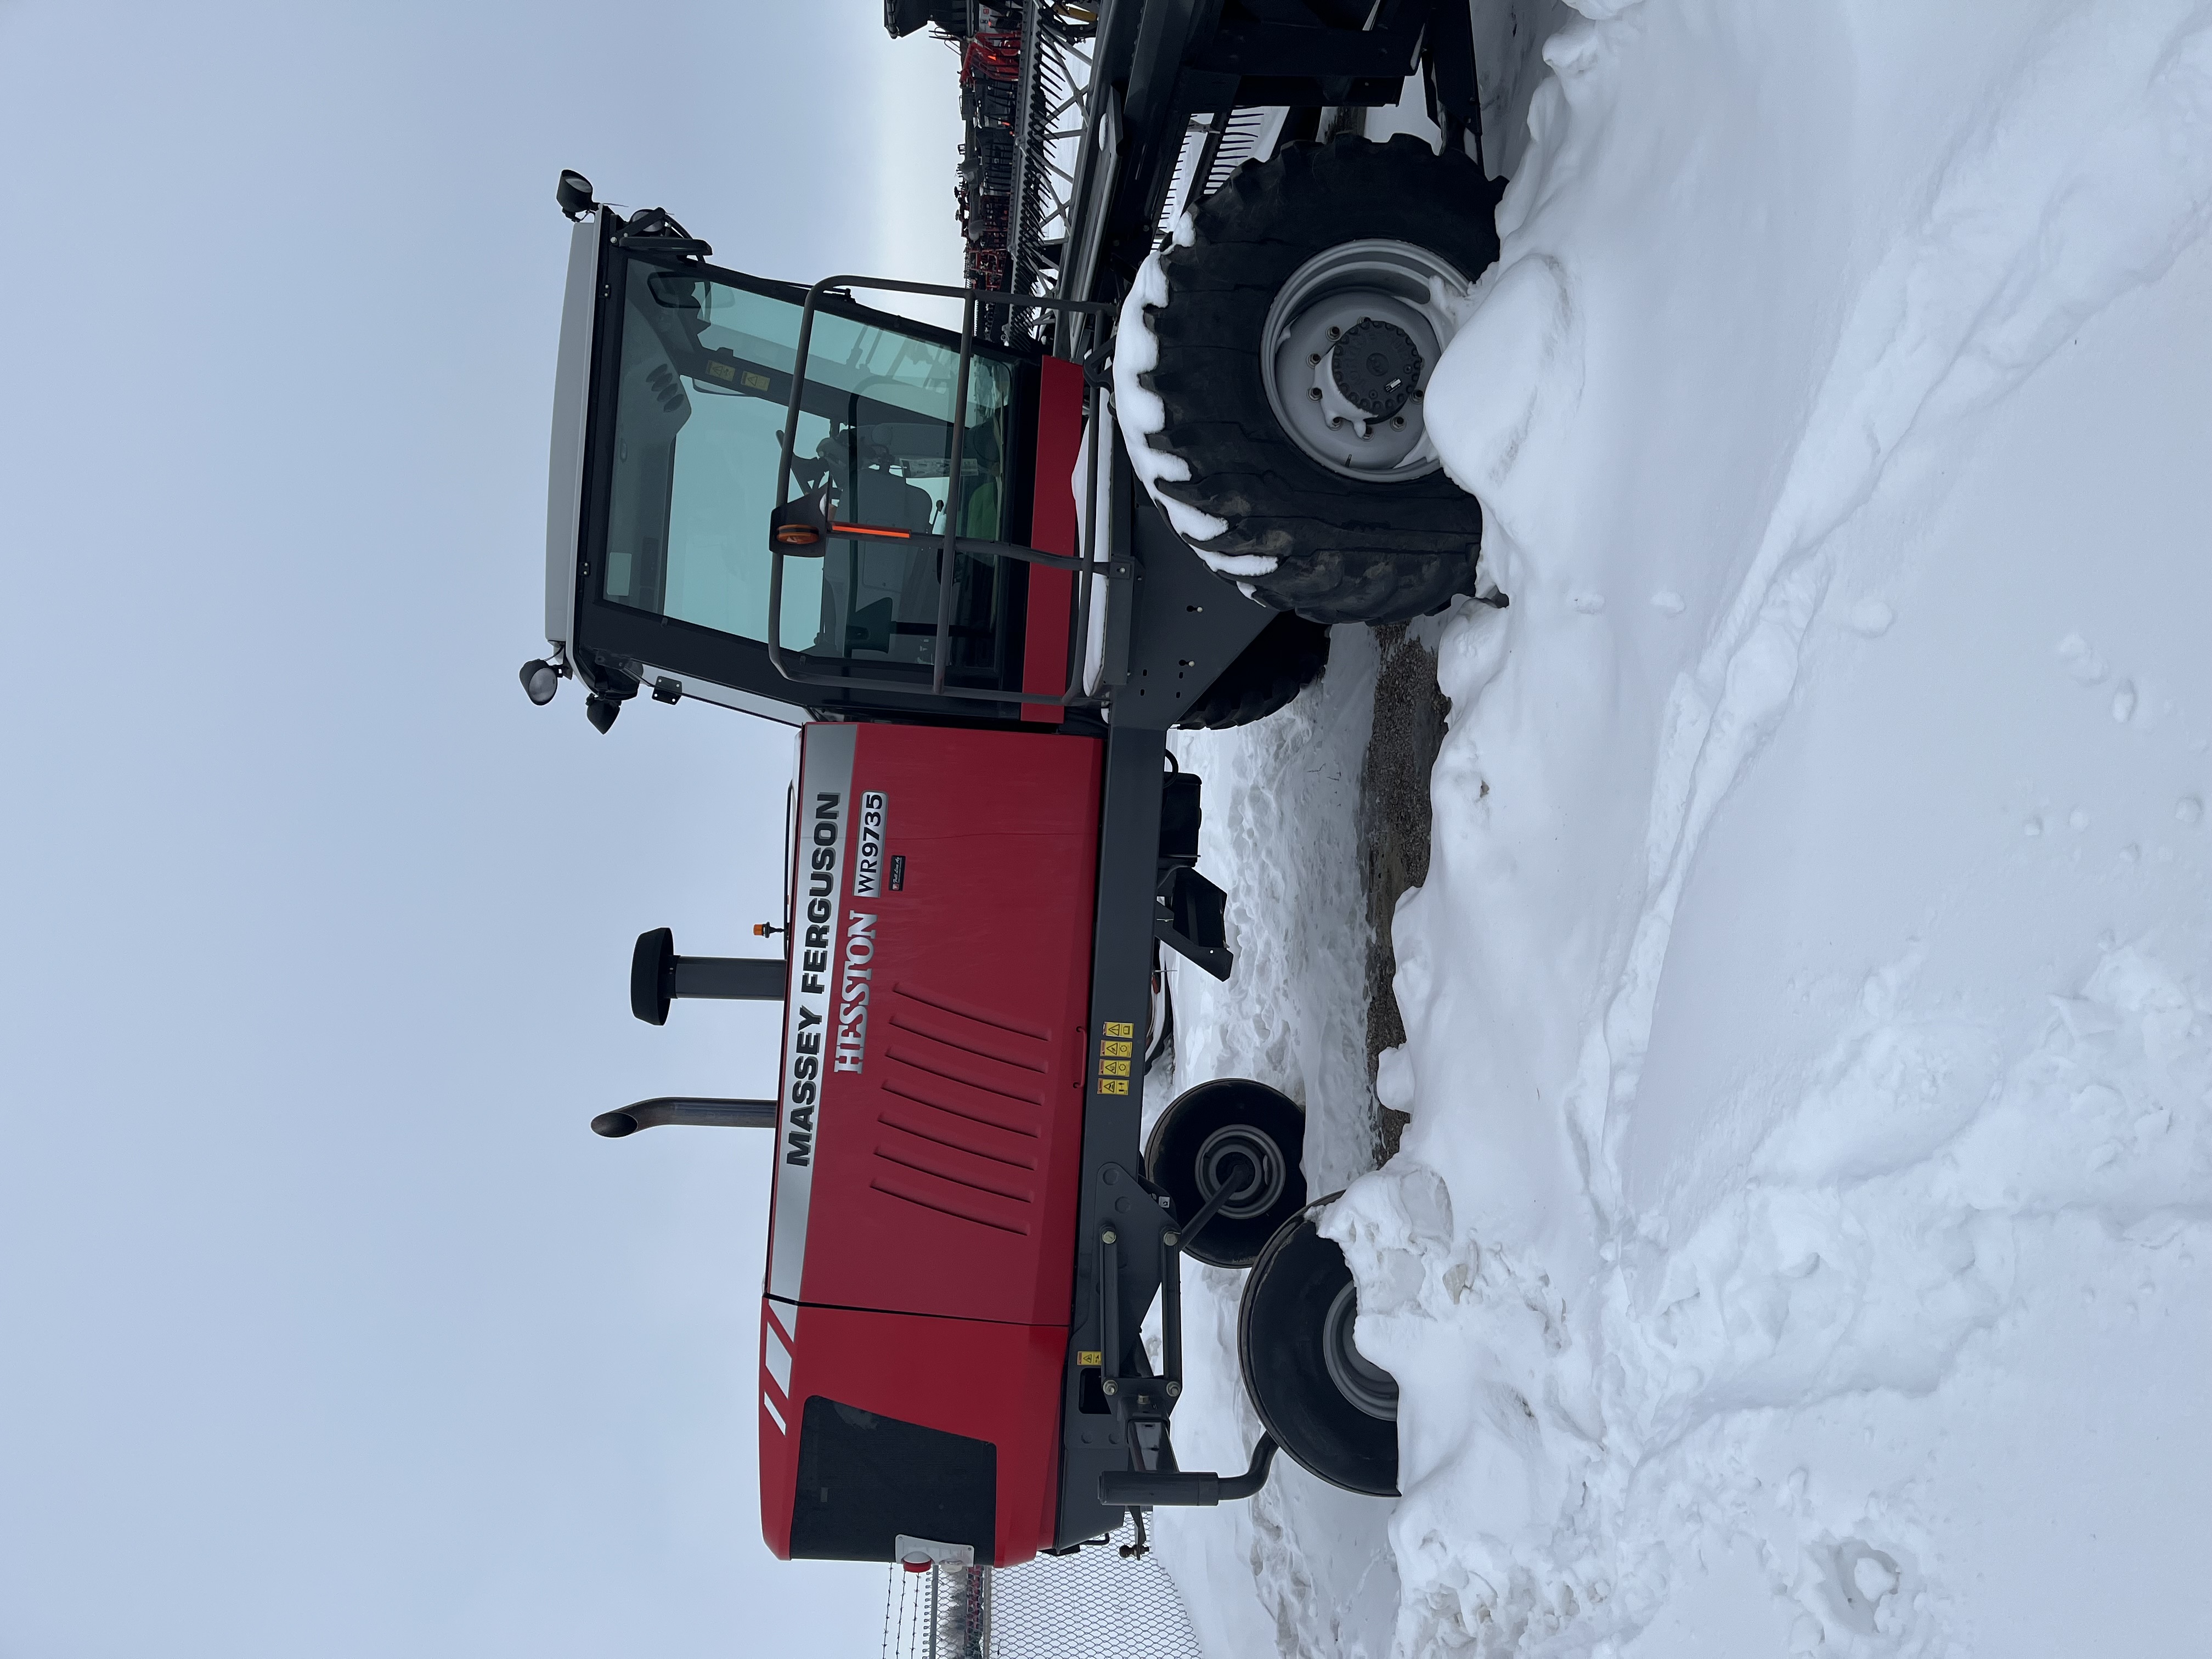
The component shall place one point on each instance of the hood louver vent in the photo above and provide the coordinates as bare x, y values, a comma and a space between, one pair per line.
958, 1132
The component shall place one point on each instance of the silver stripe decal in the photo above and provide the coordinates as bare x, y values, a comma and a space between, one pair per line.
825, 811
779, 1362
772, 1412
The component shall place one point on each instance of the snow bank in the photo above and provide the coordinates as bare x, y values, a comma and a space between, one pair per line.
1798, 1247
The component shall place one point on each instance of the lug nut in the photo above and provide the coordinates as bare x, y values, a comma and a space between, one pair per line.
1397, 423
1314, 358
1334, 332
1314, 392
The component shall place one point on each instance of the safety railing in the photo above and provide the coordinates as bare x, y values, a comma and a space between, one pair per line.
796, 525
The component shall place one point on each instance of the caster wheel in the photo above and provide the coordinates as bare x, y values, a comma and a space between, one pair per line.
1237, 1133
1332, 1409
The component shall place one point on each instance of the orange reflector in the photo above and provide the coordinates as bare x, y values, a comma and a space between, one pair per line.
797, 535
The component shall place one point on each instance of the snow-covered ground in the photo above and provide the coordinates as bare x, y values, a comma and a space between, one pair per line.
1803, 1243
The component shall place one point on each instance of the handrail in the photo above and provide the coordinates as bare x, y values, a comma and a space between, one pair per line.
954, 543
953, 482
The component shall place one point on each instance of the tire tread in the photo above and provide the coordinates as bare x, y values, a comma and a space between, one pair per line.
1345, 551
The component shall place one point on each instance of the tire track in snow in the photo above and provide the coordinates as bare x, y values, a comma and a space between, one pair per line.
1279, 836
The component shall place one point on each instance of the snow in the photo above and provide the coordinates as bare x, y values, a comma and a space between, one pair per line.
1799, 1243
1301, 1568
1141, 412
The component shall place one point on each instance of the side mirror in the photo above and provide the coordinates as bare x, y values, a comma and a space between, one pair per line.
658, 976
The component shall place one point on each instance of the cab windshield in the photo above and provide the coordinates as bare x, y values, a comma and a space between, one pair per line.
705, 380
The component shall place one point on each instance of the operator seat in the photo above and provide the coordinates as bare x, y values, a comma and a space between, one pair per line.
884, 498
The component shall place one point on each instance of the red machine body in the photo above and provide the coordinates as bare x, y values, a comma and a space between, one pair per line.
915, 1323
1053, 528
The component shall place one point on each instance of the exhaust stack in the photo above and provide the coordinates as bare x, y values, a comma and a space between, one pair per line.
683, 1108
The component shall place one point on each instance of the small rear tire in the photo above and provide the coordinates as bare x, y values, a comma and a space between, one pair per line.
1332, 1409
1214, 1135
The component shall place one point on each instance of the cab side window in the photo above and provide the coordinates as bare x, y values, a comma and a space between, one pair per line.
705, 379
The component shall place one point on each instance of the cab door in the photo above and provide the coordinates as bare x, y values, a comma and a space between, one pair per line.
691, 377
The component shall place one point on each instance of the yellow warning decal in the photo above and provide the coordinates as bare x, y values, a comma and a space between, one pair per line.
1090, 1356
1116, 1049
722, 371
757, 382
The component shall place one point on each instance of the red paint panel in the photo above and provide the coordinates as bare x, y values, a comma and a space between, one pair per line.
987, 1380
947, 1150
1053, 529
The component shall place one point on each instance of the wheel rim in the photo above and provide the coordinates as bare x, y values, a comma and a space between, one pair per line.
1349, 346
1362, 1382
1226, 1158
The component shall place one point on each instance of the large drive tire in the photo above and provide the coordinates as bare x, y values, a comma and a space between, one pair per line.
1346, 548
1287, 656
1216, 1135
1332, 1409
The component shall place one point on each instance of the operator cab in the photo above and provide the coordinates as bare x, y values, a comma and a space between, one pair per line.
675, 380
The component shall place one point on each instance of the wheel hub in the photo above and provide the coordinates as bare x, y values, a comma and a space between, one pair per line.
1227, 1158
1364, 1384
1349, 344
1376, 365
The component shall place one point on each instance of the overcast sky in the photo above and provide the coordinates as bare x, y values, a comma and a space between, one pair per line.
325, 1327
